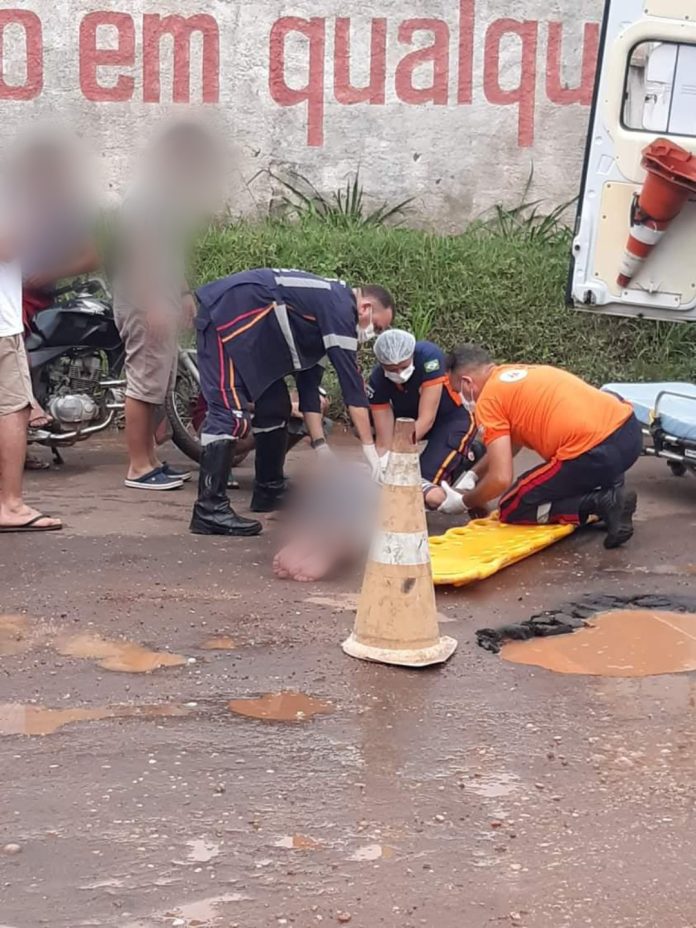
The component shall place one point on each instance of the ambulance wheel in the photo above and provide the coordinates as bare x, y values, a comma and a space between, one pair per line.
677, 468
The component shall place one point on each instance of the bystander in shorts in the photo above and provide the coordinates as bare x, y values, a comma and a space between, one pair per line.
151, 354
15, 382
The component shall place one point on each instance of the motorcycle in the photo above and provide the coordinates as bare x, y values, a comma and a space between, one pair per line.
76, 364
76, 359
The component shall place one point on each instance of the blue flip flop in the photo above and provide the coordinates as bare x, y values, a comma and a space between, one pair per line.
178, 473
155, 480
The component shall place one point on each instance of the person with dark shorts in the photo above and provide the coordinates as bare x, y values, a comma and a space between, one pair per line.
410, 381
587, 441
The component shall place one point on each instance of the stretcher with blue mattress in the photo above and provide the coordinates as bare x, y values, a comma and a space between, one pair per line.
667, 412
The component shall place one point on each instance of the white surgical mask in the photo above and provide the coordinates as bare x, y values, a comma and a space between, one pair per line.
366, 334
400, 376
468, 402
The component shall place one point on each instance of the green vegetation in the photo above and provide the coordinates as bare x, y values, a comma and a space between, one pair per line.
501, 287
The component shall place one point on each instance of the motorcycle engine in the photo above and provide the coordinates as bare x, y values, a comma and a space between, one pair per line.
74, 382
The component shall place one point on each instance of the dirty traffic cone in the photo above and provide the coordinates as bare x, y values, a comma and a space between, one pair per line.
670, 181
396, 622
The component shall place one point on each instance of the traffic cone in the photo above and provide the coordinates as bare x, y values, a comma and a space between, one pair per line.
396, 621
671, 180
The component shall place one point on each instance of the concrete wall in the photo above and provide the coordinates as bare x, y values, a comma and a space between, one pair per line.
449, 101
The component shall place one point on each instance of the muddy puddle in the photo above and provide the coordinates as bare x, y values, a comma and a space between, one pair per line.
204, 913
14, 635
19, 719
280, 707
119, 656
371, 852
219, 643
298, 843
624, 643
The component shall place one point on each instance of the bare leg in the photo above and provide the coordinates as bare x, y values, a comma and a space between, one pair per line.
13, 449
140, 438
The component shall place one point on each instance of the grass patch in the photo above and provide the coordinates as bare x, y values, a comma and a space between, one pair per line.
502, 287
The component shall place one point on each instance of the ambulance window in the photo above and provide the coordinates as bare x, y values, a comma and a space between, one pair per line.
660, 94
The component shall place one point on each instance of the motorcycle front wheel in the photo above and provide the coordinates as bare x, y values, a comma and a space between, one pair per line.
185, 410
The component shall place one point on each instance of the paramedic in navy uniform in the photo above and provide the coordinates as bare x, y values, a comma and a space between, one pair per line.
255, 329
410, 381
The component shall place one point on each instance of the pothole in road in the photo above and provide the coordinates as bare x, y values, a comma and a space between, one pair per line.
120, 656
19, 719
620, 643
280, 707
219, 643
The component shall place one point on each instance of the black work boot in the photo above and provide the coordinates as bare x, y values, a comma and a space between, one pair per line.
270, 483
615, 508
212, 513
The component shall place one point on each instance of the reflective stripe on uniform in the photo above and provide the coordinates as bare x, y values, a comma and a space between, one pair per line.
341, 341
281, 314
308, 283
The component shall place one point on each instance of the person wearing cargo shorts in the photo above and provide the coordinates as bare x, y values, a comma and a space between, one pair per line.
151, 298
587, 440
16, 399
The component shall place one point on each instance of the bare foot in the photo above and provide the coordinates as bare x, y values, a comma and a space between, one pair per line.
314, 567
286, 560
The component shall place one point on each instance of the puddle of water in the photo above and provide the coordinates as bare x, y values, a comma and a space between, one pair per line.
202, 850
205, 911
626, 643
280, 707
120, 656
18, 719
372, 852
494, 785
219, 643
14, 638
298, 843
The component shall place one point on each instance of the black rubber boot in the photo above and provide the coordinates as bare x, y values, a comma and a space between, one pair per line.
615, 508
212, 513
270, 483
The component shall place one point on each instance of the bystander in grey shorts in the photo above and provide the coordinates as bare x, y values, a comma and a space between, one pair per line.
150, 356
16, 392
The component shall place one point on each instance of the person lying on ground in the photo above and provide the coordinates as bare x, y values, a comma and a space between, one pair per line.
330, 521
410, 381
255, 329
587, 440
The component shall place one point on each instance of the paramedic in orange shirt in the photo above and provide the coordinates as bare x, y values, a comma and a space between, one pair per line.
587, 439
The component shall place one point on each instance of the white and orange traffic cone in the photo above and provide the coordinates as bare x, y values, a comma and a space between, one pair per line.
396, 621
670, 181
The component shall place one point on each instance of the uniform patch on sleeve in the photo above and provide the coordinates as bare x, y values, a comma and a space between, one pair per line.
430, 366
370, 391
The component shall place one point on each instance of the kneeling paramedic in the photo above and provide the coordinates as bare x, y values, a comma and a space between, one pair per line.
255, 329
411, 382
587, 440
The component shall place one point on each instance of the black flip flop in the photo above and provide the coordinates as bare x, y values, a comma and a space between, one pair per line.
31, 526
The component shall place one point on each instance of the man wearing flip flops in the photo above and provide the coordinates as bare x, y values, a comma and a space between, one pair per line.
587, 441
16, 399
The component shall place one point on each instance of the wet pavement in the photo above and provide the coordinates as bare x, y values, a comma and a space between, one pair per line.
482, 793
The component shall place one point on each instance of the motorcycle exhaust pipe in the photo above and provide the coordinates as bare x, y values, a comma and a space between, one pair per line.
62, 438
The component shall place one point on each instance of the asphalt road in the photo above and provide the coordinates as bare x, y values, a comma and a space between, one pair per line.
481, 793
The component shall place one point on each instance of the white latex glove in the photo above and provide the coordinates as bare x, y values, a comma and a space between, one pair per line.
325, 453
466, 482
375, 462
453, 504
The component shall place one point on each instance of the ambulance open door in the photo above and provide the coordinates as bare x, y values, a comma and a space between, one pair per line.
645, 91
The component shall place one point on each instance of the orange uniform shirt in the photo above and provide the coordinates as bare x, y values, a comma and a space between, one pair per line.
547, 410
